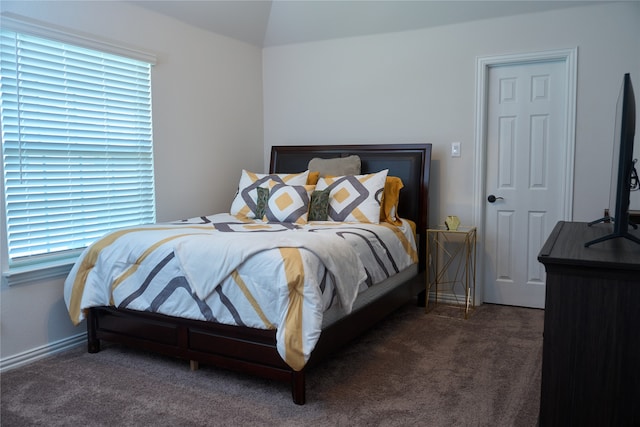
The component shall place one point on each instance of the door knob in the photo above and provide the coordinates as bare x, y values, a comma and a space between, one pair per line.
493, 198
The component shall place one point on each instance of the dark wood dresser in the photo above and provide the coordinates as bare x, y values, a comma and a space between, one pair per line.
591, 345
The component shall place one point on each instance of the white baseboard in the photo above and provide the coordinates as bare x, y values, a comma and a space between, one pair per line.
448, 298
38, 353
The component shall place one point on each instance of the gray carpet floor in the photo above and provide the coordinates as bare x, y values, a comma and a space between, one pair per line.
413, 369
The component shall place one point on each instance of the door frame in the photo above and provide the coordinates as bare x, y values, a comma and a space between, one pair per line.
483, 65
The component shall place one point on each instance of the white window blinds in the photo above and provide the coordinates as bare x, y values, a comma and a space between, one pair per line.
76, 144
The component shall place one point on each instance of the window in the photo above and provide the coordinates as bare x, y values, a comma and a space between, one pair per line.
76, 145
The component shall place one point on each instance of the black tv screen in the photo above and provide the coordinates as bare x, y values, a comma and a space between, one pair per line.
622, 166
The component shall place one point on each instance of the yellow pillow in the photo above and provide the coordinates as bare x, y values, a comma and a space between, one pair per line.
390, 199
313, 177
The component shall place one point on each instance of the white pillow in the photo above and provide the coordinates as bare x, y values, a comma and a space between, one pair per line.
355, 198
289, 203
244, 202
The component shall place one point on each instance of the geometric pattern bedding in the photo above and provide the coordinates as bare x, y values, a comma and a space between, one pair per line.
262, 275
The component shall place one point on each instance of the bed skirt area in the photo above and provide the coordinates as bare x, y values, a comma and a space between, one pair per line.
244, 349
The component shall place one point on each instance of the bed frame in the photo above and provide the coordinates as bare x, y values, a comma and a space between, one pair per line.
254, 351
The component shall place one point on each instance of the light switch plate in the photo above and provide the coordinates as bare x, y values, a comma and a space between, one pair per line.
455, 149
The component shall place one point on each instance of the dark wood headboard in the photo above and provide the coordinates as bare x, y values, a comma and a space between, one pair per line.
409, 162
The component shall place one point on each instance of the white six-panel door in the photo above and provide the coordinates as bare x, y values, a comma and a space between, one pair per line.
525, 152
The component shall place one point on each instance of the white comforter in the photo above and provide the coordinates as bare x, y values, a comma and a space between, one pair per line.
217, 268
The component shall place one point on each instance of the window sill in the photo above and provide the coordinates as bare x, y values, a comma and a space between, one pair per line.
34, 273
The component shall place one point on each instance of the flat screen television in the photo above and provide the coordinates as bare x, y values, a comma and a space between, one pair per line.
623, 170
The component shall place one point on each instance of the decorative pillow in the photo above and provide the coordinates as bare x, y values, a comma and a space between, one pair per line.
390, 199
261, 202
355, 198
319, 205
288, 203
338, 166
244, 203
313, 177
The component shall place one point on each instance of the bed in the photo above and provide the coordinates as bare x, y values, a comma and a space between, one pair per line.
257, 350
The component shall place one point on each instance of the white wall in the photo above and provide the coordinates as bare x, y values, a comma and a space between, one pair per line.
418, 86
207, 124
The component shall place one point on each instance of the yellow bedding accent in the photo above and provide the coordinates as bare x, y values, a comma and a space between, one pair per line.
251, 299
142, 257
294, 270
90, 260
406, 244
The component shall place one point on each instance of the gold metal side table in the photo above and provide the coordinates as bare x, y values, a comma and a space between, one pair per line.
451, 267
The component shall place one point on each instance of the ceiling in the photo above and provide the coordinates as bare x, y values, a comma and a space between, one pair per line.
265, 23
